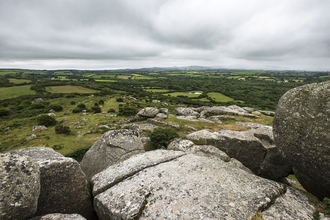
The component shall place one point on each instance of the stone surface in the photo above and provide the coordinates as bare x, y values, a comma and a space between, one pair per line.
51, 114
19, 186
31, 137
112, 147
251, 125
58, 216
201, 135
184, 111
161, 115
151, 120
164, 110
301, 132
147, 126
63, 183
189, 187
149, 112
292, 205
39, 127
230, 110
120, 171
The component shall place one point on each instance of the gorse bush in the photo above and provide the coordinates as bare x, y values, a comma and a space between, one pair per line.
56, 107
161, 137
76, 110
37, 106
96, 109
4, 112
81, 106
62, 129
46, 120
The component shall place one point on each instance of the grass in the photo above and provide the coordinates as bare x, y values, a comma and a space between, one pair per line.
123, 77
16, 91
175, 94
69, 89
157, 90
105, 80
19, 81
218, 97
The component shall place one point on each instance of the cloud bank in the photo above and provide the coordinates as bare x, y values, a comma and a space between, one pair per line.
146, 33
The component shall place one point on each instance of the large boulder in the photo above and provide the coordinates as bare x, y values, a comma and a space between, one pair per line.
185, 187
58, 216
149, 112
19, 186
230, 110
112, 147
301, 131
63, 183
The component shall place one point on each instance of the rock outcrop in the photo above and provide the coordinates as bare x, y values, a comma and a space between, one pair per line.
185, 186
149, 112
112, 147
58, 216
184, 111
301, 131
63, 183
19, 186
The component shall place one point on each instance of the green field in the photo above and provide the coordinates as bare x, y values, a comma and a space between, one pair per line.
69, 89
19, 81
218, 97
157, 90
16, 91
105, 80
104, 76
175, 94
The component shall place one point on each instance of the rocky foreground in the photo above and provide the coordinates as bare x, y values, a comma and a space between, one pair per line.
232, 175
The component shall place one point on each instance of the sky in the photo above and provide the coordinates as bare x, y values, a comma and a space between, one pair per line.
118, 34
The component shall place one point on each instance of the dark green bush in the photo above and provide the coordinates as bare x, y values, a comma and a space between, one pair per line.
4, 112
78, 154
37, 106
46, 120
81, 106
25, 103
96, 109
161, 137
101, 102
76, 110
56, 107
96, 104
127, 110
62, 129
111, 110
72, 102
119, 100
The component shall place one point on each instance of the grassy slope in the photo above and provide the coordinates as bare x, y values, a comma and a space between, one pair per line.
16, 91
69, 89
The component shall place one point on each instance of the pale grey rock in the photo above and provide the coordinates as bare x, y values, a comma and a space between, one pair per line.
191, 127
239, 165
291, 205
145, 140
83, 114
227, 117
163, 110
184, 111
201, 135
134, 126
51, 114
180, 145
112, 147
38, 100
39, 127
59, 216
80, 127
324, 217
63, 183
84, 119
125, 169
19, 186
189, 187
161, 115
104, 126
31, 137
301, 132
51, 110
111, 115
251, 125
174, 125
248, 109
230, 110
268, 113
149, 112
215, 119
156, 121
187, 118
147, 127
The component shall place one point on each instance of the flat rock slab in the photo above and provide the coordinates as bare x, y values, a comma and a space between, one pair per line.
189, 187
58, 216
118, 172
38, 153
19, 186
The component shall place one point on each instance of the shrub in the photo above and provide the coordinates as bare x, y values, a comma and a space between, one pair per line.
161, 137
62, 129
37, 106
4, 112
81, 106
56, 107
25, 103
119, 100
96, 109
111, 110
78, 154
72, 102
76, 110
46, 120
127, 110
101, 102
96, 104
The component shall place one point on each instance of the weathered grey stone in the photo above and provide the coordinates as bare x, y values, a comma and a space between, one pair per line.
161, 115
180, 145
58, 216
291, 205
230, 110
121, 171
269, 113
301, 131
189, 187
147, 126
39, 127
19, 186
164, 110
149, 112
63, 183
31, 137
201, 135
174, 125
251, 125
145, 140
51, 114
104, 126
184, 111
84, 119
134, 126
191, 127
248, 109
112, 147
156, 121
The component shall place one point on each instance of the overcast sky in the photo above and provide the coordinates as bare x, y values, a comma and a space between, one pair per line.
111, 34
